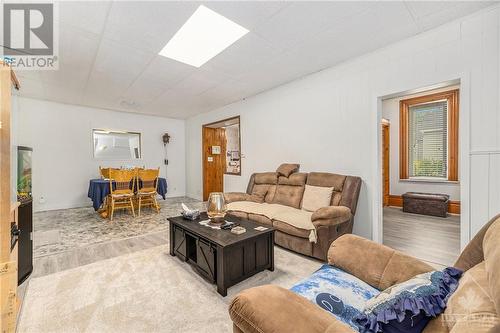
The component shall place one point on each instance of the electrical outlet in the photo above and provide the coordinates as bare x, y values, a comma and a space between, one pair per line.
41, 200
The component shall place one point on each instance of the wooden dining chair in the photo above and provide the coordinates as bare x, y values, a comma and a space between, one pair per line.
121, 196
146, 192
104, 172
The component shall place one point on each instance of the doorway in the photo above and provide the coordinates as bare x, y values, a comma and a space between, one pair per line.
221, 146
419, 153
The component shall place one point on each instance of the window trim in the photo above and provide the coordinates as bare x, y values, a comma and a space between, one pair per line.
404, 107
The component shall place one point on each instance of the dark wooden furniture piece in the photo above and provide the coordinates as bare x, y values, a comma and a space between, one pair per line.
25, 254
426, 203
220, 256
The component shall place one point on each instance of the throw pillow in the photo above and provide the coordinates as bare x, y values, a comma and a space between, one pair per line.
316, 197
258, 195
286, 169
341, 294
409, 306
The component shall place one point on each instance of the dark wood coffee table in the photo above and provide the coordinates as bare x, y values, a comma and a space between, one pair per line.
220, 256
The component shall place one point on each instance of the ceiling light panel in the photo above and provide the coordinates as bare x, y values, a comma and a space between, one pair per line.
204, 35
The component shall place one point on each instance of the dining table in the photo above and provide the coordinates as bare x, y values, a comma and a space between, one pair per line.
99, 190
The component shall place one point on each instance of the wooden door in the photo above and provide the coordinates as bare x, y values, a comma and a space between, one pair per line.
213, 164
8, 210
385, 162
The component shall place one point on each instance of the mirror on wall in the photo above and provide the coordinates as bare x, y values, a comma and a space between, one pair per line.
116, 145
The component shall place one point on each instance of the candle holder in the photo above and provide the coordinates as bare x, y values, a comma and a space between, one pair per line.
216, 208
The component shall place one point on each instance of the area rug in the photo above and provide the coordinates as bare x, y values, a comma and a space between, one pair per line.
146, 291
79, 227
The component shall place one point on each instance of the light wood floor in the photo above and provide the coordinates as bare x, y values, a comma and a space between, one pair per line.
432, 239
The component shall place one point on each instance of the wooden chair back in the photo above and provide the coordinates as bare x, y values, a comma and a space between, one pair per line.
148, 177
122, 179
104, 172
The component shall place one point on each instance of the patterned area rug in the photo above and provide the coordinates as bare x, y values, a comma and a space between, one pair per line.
146, 291
62, 230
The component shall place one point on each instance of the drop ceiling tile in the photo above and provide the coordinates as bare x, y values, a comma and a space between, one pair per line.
77, 47
66, 75
147, 25
423, 8
63, 93
143, 91
450, 13
248, 14
87, 15
121, 60
167, 71
227, 92
106, 88
243, 56
198, 82
301, 20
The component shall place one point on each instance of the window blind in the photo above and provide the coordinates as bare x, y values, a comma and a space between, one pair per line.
427, 139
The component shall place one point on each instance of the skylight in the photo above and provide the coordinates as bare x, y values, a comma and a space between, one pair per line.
204, 35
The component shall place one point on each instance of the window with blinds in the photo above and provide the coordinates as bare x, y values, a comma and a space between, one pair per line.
428, 139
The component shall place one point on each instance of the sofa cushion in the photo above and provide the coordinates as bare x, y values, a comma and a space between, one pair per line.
291, 218
326, 179
262, 219
316, 197
240, 214
286, 169
290, 229
265, 188
258, 194
295, 222
289, 195
337, 292
266, 178
290, 190
297, 179
265, 209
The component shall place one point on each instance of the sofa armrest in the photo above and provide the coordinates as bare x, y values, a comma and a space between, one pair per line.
376, 264
271, 308
235, 196
331, 215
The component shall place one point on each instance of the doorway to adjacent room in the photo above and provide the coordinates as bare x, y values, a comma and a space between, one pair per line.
221, 146
420, 175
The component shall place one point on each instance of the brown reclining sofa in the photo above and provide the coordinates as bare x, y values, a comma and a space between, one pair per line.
473, 308
275, 198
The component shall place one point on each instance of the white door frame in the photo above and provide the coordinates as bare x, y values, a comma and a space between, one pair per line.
464, 153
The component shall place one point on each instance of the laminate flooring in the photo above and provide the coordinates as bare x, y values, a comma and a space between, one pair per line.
435, 240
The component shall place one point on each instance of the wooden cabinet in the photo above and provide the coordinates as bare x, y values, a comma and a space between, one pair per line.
8, 212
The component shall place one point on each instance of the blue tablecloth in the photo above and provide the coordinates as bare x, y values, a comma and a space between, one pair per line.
99, 189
